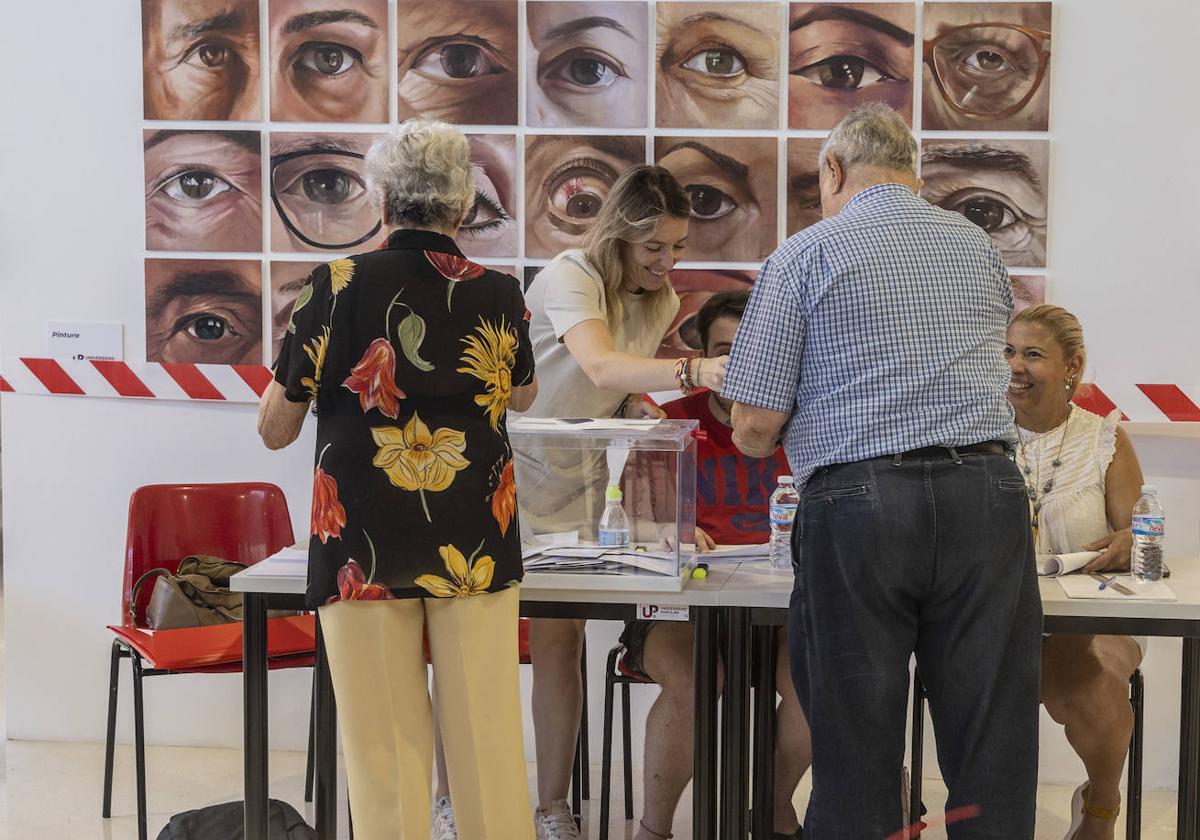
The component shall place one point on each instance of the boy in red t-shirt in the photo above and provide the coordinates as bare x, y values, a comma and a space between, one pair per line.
732, 491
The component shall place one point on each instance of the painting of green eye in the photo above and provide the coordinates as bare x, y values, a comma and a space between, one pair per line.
717, 62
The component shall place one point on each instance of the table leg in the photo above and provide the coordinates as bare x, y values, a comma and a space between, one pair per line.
704, 783
766, 650
254, 714
1189, 743
735, 726
325, 724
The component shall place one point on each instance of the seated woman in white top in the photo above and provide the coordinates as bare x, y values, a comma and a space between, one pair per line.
598, 314
1083, 478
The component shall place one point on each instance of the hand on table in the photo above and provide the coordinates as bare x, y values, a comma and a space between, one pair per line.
703, 541
1116, 548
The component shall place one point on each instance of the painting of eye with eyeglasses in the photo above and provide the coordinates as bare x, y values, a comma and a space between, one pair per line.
841, 55
718, 65
567, 178
457, 61
986, 66
999, 185
329, 60
319, 195
203, 190
732, 184
204, 311
586, 64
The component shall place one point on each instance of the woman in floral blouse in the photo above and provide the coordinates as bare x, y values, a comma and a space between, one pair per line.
411, 356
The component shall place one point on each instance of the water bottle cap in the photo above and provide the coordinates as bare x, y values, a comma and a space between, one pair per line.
785, 479
613, 493
1149, 488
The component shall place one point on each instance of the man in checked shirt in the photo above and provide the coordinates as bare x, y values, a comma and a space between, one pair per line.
873, 341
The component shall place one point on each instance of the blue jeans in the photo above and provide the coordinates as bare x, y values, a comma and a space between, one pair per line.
933, 557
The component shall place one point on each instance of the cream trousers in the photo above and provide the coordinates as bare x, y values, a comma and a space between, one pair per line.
377, 661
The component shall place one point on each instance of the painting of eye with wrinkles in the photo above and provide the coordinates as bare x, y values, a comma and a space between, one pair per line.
204, 311
457, 61
1000, 185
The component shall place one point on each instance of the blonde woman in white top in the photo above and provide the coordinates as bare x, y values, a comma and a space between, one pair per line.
598, 314
1083, 478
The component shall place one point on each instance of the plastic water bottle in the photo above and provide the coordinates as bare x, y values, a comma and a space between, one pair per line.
784, 502
1149, 521
614, 524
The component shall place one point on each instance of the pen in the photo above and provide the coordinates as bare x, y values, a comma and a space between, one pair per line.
1106, 582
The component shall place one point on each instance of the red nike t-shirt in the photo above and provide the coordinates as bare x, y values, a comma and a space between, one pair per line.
732, 489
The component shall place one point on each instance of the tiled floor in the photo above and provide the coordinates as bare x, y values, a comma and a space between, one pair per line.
52, 791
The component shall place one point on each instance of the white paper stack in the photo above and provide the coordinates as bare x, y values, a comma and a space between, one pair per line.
1054, 565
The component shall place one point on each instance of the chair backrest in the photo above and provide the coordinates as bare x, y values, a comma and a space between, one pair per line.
244, 522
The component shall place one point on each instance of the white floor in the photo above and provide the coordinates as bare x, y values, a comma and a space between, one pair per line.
52, 791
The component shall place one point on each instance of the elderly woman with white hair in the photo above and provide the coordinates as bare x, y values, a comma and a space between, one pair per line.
411, 355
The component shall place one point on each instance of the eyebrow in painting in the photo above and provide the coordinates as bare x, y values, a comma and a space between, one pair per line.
724, 162
248, 140
221, 282
319, 143
978, 156
574, 27
827, 12
313, 19
226, 22
805, 181
295, 284
718, 17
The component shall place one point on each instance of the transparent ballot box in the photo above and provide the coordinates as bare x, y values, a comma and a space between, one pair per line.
570, 474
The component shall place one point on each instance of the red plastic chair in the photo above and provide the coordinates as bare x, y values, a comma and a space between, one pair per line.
244, 522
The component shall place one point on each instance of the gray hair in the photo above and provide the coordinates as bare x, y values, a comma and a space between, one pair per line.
873, 136
422, 175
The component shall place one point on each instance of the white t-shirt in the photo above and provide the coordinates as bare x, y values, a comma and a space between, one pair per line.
568, 292
563, 489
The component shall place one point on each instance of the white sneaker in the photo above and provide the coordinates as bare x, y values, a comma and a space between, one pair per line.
441, 825
556, 822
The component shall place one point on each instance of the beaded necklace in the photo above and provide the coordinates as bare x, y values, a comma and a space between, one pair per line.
1031, 489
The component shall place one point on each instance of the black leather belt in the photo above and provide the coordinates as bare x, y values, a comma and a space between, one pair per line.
988, 447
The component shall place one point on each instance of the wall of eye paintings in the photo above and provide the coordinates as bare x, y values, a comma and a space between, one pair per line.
90, 198
558, 97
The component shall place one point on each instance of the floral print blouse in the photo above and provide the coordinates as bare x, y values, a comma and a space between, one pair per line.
410, 353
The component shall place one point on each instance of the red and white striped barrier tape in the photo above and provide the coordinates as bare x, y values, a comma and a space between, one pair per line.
1144, 403
151, 380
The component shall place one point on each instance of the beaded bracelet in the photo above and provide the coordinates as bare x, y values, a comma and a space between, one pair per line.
681, 375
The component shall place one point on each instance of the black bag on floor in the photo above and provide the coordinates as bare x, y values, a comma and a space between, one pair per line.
227, 822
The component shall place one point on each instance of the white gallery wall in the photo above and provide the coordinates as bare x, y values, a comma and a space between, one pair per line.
1124, 254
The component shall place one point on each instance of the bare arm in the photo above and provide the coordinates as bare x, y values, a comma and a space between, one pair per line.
279, 419
591, 345
523, 396
756, 430
1122, 487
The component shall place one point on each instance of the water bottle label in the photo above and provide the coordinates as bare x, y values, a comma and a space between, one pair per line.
1149, 526
613, 539
783, 514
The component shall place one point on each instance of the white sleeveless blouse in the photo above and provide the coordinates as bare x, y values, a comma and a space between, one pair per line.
1073, 512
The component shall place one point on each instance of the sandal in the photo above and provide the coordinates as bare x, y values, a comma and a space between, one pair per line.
1080, 807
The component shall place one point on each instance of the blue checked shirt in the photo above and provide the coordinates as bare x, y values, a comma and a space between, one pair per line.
878, 330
